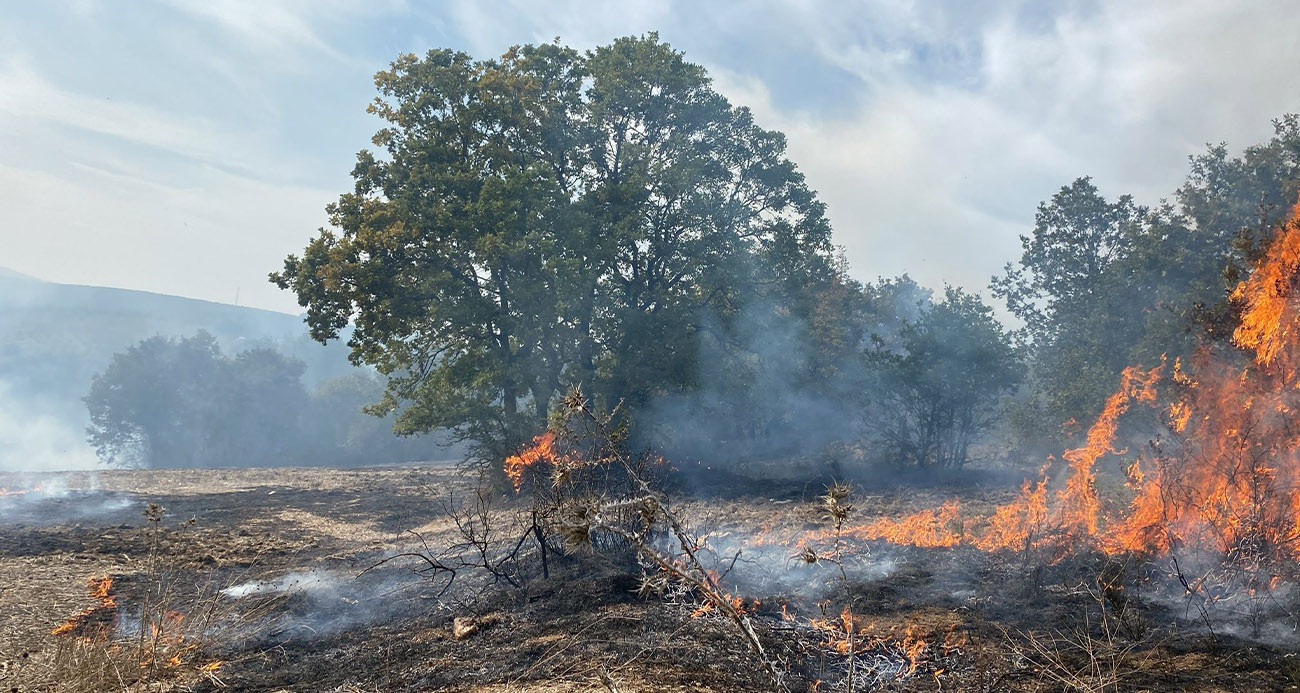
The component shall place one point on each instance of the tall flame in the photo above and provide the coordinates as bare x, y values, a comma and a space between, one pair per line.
1079, 507
1268, 318
1229, 484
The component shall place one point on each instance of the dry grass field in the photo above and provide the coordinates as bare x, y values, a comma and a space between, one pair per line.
257, 580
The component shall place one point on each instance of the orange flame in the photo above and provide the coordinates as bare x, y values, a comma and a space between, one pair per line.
100, 588
1014, 525
1231, 483
542, 449
1268, 320
914, 649
927, 528
1011, 526
845, 636
1079, 507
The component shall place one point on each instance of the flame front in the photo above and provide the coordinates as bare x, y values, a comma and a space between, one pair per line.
4, 491
927, 529
1228, 482
1231, 486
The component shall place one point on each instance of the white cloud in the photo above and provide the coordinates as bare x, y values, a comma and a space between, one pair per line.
488, 28
931, 130
289, 30
213, 240
31, 104
938, 176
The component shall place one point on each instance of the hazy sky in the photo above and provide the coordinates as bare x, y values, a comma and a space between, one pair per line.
186, 146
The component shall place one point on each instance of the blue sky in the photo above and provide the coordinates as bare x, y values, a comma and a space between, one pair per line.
186, 146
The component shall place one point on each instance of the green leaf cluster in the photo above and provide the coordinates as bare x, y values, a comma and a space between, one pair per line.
553, 218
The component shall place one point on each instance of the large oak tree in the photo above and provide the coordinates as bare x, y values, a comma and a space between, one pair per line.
553, 218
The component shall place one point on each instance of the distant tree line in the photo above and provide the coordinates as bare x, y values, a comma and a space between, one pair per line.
181, 402
1106, 283
606, 220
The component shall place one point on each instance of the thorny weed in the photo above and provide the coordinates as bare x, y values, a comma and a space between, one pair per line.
604, 493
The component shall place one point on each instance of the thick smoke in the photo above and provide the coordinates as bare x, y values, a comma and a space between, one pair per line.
36, 435
768, 390
754, 395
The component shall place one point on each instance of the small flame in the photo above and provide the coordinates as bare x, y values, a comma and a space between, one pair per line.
926, 529
101, 589
914, 650
541, 450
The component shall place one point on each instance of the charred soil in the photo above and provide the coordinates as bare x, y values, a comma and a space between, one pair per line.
273, 563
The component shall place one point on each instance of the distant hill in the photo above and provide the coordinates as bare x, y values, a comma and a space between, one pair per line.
6, 273
55, 337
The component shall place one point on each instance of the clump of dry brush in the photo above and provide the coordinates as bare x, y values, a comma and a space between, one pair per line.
153, 632
596, 495
582, 491
588, 489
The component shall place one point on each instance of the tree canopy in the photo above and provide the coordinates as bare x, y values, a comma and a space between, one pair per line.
554, 218
940, 379
181, 403
1102, 284
606, 220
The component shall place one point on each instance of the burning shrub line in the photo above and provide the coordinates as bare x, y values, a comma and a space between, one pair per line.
1222, 484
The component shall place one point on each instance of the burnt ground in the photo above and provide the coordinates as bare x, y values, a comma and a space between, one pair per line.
305, 616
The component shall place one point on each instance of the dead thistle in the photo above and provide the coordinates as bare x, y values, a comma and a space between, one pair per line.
836, 502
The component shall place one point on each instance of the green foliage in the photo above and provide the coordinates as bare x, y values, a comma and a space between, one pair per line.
550, 219
1102, 284
1070, 291
338, 431
182, 403
940, 381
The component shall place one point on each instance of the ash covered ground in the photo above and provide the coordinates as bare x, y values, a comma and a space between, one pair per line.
276, 560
